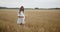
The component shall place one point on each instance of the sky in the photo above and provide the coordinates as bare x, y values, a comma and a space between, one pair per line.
30, 3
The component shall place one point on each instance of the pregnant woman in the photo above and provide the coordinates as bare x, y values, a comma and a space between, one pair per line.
21, 16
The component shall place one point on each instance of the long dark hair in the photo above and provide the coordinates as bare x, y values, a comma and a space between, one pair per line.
21, 9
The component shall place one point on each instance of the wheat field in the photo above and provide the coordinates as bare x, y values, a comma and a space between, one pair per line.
36, 21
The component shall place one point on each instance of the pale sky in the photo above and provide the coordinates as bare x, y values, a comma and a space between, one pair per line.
30, 3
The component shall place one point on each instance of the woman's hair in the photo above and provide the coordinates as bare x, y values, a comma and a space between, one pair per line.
21, 9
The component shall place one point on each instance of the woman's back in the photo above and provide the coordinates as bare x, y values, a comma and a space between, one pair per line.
21, 13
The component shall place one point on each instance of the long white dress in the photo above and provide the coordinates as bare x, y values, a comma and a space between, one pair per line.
21, 20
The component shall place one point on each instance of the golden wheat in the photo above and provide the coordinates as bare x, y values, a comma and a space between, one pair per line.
36, 21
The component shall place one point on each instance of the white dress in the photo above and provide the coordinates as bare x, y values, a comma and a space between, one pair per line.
21, 20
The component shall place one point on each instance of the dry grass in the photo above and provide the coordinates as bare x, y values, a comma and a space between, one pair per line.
36, 21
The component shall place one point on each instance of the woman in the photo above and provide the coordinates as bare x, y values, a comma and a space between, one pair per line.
21, 16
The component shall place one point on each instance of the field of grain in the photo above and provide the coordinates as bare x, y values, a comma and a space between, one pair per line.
36, 21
